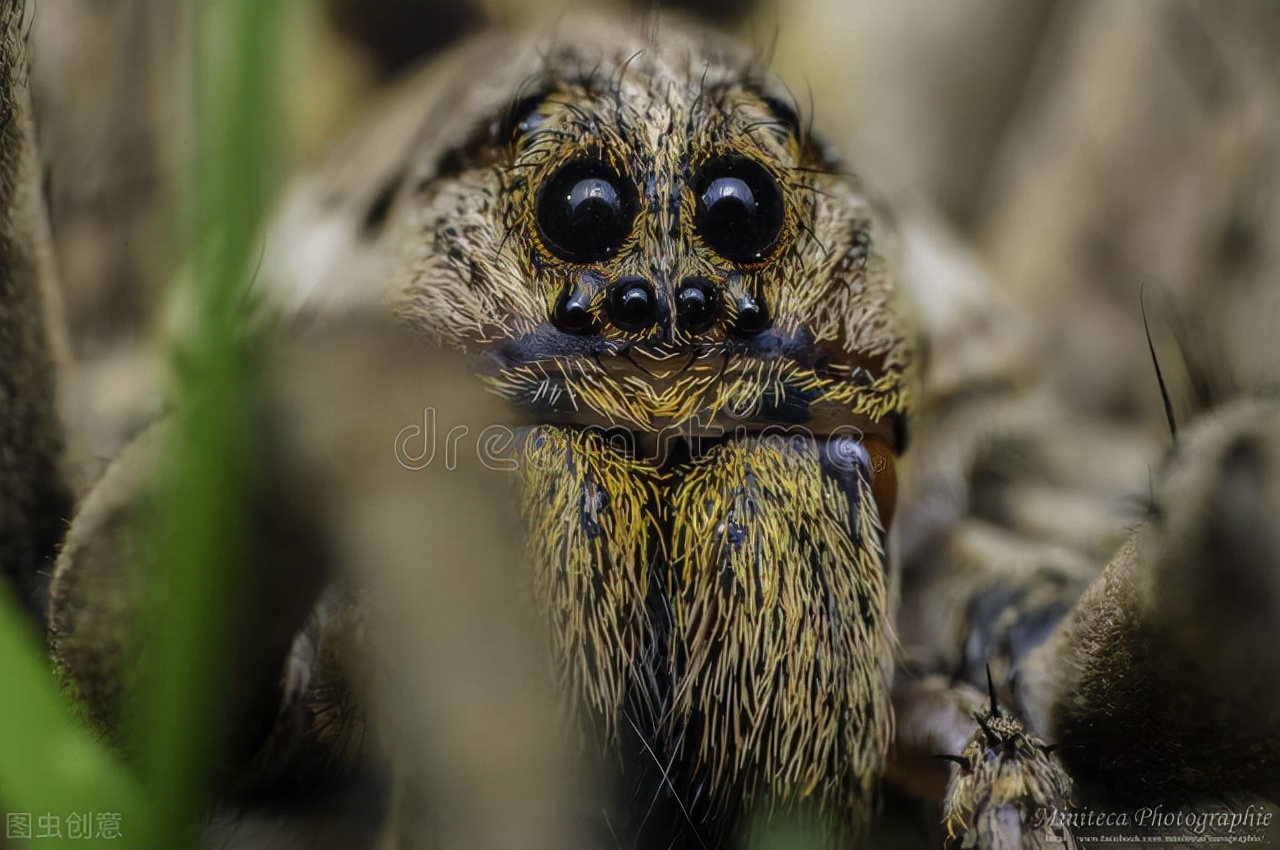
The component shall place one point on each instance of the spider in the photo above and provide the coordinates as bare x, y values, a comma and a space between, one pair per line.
712, 353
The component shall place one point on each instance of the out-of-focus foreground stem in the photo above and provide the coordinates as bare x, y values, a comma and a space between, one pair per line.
200, 534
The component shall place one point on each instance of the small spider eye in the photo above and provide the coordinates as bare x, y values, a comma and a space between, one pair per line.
752, 317
632, 304
739, 208
573, 311
585, 211
696, 305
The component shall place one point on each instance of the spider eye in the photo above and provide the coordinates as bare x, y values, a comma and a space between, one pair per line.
739, 208
585, 211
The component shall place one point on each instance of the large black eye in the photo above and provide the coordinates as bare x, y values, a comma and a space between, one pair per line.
739, 212
585, 211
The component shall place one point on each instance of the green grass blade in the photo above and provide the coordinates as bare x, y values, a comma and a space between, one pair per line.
200, 539
49, 764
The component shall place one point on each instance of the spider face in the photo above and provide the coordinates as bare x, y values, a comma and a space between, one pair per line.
689, 259
645, 235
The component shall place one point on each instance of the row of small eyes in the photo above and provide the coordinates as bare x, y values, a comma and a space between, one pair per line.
586, 210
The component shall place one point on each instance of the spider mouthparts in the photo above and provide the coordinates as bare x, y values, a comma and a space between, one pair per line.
660, 363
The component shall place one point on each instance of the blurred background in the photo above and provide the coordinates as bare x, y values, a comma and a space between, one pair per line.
1068, 154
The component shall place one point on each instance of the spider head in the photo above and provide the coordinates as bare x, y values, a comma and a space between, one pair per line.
654, 237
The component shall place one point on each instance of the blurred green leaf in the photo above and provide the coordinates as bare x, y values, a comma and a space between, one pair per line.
49, 763
200, 536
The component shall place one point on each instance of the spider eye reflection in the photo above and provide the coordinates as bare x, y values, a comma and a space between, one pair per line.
585, 211
739, 208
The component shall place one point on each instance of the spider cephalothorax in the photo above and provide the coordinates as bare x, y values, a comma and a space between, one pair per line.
654, 237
